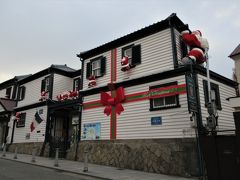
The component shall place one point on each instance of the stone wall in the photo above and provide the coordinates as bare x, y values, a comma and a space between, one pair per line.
166, 156
25, 148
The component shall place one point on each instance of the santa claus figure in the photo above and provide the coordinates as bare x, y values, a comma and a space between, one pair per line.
198, 47
125, 64
92, 81
73, 94
43, 96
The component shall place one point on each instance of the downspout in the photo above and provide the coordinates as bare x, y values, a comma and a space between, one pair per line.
80, 109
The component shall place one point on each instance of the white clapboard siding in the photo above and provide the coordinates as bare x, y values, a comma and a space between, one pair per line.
38, 135
96, 116
61, 84
32, 93
226, 119
156, 55
178, 44
1, 108
135, 121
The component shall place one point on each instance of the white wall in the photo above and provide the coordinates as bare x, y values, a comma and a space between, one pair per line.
225, 120
20, 133
156, 56
135, 121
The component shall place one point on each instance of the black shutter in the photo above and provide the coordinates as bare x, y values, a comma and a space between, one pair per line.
205, 89
103, 66
89, 69
50, 90
43, 85
18, 93
23, 92
14, 92
136, 55
183, 49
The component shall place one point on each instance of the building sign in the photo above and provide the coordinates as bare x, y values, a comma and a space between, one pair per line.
156, 120
91, 131
191, 93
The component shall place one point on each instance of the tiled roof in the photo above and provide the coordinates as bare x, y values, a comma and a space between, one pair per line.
7, 104
236, 51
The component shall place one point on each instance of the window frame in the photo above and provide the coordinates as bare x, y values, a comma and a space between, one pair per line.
215, 88
134, 53
8, 92
21, 93
21, 122
177, 105
102, 68
76, 84
98, 69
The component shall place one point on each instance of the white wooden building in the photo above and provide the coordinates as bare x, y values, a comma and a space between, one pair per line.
32, 122
153, 108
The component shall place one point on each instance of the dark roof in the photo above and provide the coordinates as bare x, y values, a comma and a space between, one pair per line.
236, 51
12, 81
171, 21
8, 104
63, 68
58, 69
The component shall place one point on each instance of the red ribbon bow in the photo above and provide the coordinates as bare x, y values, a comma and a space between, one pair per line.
109, 101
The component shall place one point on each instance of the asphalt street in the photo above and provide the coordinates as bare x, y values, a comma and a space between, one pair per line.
12, 170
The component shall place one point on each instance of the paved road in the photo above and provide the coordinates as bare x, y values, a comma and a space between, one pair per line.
11, 170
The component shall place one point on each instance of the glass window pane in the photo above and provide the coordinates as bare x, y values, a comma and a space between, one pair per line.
158, 102
170, 100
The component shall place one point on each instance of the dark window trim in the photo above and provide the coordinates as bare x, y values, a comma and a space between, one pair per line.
99, 58
79, 81
8, 92
22, 120
126, 47
168, 107
21, 93
214, 87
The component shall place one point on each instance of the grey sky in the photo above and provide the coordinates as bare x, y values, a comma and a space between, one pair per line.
35, 34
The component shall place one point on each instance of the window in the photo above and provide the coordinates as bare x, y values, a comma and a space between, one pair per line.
214, 93
21, 93
96, 67
164, 102
76, 84
46, 84
21, 121
8, 92
133, 53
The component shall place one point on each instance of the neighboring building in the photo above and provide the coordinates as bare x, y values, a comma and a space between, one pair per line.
44, 111
235, 101
139, 117
8, 100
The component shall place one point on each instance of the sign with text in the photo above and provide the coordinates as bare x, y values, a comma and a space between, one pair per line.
156, 120
191, 93
91, 131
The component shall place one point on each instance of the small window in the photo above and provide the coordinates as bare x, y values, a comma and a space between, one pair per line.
133, 53
166, 101
21, 93
46, 84
96, 67
8, 92
214, 93
21, 121
76, 84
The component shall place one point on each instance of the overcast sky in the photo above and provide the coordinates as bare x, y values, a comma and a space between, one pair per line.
37, 33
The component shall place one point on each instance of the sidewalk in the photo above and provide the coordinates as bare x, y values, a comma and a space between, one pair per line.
98, 171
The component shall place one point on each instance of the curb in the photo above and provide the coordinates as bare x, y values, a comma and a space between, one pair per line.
57, 168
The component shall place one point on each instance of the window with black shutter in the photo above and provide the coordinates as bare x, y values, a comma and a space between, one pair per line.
21, 120
184, 49
215, 94
21, 93
8, 92
96, 67
133, 53
76, 84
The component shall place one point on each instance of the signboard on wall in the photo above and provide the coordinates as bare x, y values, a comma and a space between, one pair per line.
191, 93
91, 131
156, 120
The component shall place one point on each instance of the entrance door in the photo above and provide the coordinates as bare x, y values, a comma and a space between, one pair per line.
59, 133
